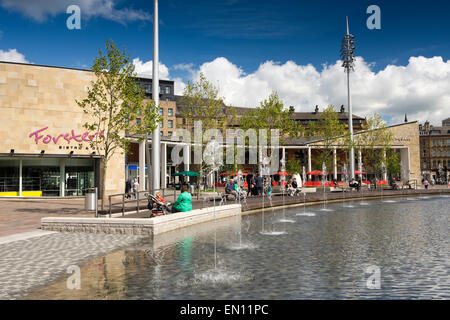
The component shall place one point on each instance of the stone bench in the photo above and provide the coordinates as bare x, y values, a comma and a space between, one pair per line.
139, 226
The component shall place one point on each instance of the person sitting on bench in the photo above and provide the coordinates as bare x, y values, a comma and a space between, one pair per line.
184, 201
354, 184
229, 188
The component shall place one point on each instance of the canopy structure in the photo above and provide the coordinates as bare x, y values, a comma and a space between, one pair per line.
282, 173
233, 174
360, 172
186, 173
316, 173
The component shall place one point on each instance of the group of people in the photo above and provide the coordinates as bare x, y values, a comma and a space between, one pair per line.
292, 187
231, 187
131, 188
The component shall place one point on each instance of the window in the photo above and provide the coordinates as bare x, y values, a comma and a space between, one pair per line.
434, 163
425, 164
148, 88
170, 112
169, 134
160, 90
167, 90
161, 112
161, 124
161, 133
170, 123
433, 153
167, 99
425, 152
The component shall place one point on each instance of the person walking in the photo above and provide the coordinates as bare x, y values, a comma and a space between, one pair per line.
426, 183
259, 185
135, 187
127, 189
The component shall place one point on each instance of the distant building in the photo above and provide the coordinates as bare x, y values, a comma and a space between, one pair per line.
435, 150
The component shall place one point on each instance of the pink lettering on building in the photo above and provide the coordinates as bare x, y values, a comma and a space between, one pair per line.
47, 138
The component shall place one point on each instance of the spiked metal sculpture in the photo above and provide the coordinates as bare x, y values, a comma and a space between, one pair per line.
348, 59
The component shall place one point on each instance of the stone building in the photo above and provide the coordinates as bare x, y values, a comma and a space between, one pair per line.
435, 150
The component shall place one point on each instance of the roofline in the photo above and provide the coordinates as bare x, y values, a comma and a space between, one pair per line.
67, 68
363, 131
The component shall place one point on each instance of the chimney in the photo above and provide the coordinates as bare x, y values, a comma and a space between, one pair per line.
317, 109
406, 118
342, 109
292, 108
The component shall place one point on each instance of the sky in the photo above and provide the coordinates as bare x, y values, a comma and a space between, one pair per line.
250, 48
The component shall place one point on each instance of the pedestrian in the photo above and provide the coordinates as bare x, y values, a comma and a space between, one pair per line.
375, 181
135, 187
259, 185
426, 183
127, 189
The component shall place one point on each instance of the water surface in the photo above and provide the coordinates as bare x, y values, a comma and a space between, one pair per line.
317, 255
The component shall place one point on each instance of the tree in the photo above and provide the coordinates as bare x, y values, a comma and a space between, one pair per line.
272, 115
293, 166
331, 133
375, 143
201, 102
114, 103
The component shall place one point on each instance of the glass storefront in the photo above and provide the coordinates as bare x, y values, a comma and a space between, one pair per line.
79, 175
46, 177
9, 176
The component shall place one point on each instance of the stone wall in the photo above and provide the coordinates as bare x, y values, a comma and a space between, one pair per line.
136, 226
37, 97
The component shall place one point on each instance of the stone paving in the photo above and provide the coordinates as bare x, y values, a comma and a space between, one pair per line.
28, 264
23, 215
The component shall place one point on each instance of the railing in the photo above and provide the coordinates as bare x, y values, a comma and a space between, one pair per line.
137, 198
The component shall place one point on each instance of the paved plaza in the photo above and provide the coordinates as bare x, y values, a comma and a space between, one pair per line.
24, 215
34, 262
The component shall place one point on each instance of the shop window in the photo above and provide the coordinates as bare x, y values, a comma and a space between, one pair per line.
41, 175
79, 176
9, 176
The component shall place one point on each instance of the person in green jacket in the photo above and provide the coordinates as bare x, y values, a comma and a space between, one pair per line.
184, 201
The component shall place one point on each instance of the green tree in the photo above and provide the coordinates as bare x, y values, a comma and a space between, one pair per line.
272, 115
114, 103
201, 102
330, 133
375, 143
293, 166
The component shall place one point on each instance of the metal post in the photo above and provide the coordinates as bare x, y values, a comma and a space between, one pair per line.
123, 204
137, 208
96, 202
350, 127
156, 147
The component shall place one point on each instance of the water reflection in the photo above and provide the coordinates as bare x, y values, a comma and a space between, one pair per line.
323, 255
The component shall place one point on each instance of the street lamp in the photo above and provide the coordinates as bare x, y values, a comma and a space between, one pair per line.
348, 59
156, 148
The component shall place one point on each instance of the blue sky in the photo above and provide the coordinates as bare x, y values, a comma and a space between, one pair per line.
245, 32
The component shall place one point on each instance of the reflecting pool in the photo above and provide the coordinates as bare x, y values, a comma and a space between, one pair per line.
283, 254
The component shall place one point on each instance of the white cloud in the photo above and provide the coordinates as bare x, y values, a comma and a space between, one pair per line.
145, 69
42, 9
12, 56
420, 89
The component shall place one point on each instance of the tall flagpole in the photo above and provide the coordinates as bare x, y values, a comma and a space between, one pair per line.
156, 146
